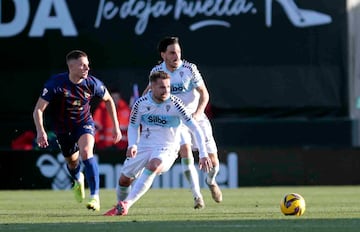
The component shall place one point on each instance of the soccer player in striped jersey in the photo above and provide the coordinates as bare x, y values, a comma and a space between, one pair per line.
188, 84
154, 149
70, 94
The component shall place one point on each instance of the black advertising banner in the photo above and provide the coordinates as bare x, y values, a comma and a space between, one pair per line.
253, 53
47, 170
239, 167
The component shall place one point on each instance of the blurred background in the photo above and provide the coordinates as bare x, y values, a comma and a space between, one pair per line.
283, 75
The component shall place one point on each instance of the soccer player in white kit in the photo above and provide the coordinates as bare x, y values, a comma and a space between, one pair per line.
154, 149
188, 84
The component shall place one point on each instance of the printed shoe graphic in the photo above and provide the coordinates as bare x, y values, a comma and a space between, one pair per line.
298, 17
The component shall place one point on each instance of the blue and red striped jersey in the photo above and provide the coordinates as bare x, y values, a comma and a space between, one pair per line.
71, 102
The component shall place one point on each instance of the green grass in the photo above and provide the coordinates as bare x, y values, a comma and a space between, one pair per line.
329, 208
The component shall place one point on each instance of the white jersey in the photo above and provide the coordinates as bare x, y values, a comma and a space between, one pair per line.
184, 81
160, 123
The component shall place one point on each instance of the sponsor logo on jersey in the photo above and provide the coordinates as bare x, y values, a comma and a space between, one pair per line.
45, 91
177, 88
66, 93
156, 120
87, 95
89, 127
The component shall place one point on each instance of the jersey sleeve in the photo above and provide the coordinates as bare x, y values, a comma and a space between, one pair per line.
99, 88
48, 90
199, 137
191, 123
197, 78
133, 132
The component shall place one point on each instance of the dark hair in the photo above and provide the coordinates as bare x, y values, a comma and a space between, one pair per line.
165, 42
158, 75
75, 54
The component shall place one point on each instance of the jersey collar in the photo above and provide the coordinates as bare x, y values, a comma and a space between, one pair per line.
167, 70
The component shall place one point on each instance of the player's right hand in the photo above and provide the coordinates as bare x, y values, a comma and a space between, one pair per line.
42, 140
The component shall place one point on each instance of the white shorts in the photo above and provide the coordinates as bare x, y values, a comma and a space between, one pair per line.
133, 167
205, 125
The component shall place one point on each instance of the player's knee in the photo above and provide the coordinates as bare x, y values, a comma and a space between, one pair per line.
86, 154
155, 165
185, 151
72, 161
125, 181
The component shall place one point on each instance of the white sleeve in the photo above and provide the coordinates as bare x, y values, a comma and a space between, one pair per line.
133, 132
199, 137
133, 135
193, 126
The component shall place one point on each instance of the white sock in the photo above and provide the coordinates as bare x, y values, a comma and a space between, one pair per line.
96, 196
210, 179
191, 175
122, 192
141, 186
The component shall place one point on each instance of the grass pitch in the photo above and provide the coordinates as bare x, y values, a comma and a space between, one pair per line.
328, 208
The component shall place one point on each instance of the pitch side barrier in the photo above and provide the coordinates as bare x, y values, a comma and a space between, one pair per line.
239, 167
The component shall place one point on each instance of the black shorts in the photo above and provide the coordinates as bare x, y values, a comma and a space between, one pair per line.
68, 142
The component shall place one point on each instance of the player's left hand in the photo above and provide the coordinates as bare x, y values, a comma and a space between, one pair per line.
42, 139
205, 164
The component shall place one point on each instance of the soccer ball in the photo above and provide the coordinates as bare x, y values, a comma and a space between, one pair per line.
292, 204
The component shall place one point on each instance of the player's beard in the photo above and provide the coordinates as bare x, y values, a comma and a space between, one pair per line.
172, 64
161, 98
175, 64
